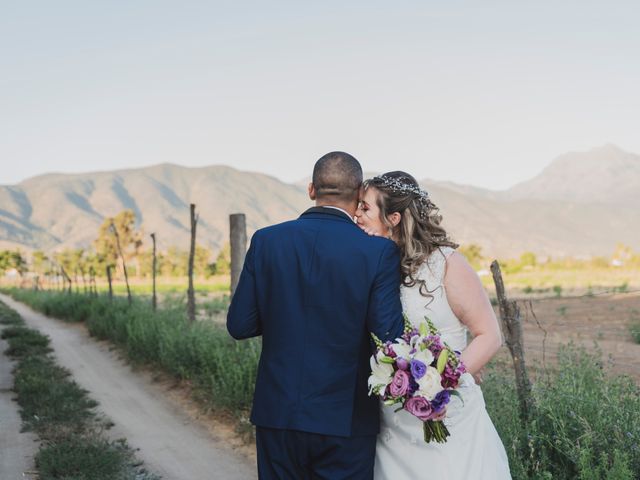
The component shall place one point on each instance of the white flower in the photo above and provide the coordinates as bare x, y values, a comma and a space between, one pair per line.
430, 384
381, 375
415, 340
425, 356
402, 350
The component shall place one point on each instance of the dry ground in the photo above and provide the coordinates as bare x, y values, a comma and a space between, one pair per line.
604, 320
171, 437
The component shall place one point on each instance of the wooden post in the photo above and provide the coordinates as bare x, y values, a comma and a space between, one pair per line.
154, 301
67, 277
512, 328
191, 295
238, 238
110, 282
124, 264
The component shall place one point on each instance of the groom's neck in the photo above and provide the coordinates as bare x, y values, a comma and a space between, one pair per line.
350, 208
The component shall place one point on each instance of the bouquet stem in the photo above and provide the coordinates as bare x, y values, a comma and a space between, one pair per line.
435, 430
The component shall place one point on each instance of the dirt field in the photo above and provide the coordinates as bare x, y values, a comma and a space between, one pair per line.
601, 319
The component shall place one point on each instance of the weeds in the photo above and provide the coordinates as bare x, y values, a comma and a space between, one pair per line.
585, 424
62, 414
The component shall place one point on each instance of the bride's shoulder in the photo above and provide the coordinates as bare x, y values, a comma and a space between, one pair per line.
439, 256
435, 264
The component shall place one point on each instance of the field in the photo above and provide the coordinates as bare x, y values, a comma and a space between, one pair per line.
596, 322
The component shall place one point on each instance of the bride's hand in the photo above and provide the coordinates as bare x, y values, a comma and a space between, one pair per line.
440, 417
369, 231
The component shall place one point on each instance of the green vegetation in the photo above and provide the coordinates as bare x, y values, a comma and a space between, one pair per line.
222, 369
634, 328
62, 414
585, 424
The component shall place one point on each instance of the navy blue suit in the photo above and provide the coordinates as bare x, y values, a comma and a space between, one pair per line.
314, 288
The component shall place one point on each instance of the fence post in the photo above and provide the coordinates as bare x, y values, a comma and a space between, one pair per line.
512, 328
154, 301
124, 263
110, 282
238, 238
191, 295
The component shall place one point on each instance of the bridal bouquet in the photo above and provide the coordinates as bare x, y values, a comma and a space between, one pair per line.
418, 372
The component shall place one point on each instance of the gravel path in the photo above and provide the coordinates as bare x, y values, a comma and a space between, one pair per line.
170, 443
16, 449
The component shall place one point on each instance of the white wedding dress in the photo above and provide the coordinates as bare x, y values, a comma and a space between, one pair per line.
474, 449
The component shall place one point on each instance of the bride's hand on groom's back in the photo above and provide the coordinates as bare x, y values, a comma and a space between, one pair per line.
369, 231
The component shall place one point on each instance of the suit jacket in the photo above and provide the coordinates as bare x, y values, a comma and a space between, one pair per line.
314, 288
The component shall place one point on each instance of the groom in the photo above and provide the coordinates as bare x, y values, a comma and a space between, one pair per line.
314, 288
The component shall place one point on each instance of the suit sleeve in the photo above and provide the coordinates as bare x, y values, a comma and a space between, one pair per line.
384, 317
243, 318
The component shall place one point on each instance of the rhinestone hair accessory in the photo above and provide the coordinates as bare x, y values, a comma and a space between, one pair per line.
396, 186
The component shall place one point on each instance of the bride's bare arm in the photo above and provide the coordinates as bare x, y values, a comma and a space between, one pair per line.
471, 305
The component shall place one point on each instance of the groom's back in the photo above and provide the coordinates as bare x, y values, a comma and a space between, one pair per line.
316, 285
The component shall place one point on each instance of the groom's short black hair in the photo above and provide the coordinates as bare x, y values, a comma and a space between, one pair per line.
337, 175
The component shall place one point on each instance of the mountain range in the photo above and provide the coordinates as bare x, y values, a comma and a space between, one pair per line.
582, 204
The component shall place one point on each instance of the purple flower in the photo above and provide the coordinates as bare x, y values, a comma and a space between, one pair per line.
450, 377
399, 384
440, 401
419, 407
402, 363
413, 385
418, 369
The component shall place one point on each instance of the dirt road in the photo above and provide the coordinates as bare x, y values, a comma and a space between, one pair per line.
16, 449
170, 442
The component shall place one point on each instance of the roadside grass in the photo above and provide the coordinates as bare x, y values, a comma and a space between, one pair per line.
585, 424
62, 414
221, 369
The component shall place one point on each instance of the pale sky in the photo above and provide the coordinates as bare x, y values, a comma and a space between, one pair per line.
482, 93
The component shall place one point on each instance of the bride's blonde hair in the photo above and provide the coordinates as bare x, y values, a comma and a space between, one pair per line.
419, 232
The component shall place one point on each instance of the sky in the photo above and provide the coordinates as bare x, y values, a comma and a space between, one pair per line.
481, 93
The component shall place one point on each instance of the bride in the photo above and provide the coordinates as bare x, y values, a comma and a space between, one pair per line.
440, 284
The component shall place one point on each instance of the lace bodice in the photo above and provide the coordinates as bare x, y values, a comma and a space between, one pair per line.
416, 306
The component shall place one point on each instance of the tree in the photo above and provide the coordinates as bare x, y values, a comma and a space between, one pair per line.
528, 259
13, 259
223, 260
473, 254
64, 259
130, 239
622, 254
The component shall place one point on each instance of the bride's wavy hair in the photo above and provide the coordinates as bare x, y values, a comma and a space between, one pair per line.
419, 232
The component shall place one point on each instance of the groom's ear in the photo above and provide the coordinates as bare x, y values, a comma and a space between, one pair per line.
312, 191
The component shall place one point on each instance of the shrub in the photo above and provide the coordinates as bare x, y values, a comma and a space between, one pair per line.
585, 424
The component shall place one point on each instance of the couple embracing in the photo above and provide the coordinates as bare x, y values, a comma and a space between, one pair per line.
316, 288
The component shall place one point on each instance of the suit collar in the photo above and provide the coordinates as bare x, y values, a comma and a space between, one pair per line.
331, 212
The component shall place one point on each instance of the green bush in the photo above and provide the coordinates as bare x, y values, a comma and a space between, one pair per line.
9, 316
585, 424
24, 342
62, 414
222, 368
86, 458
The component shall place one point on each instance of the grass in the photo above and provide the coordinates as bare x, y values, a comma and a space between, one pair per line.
542, 279
585, 424
634, 328
61, 413
223, 370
